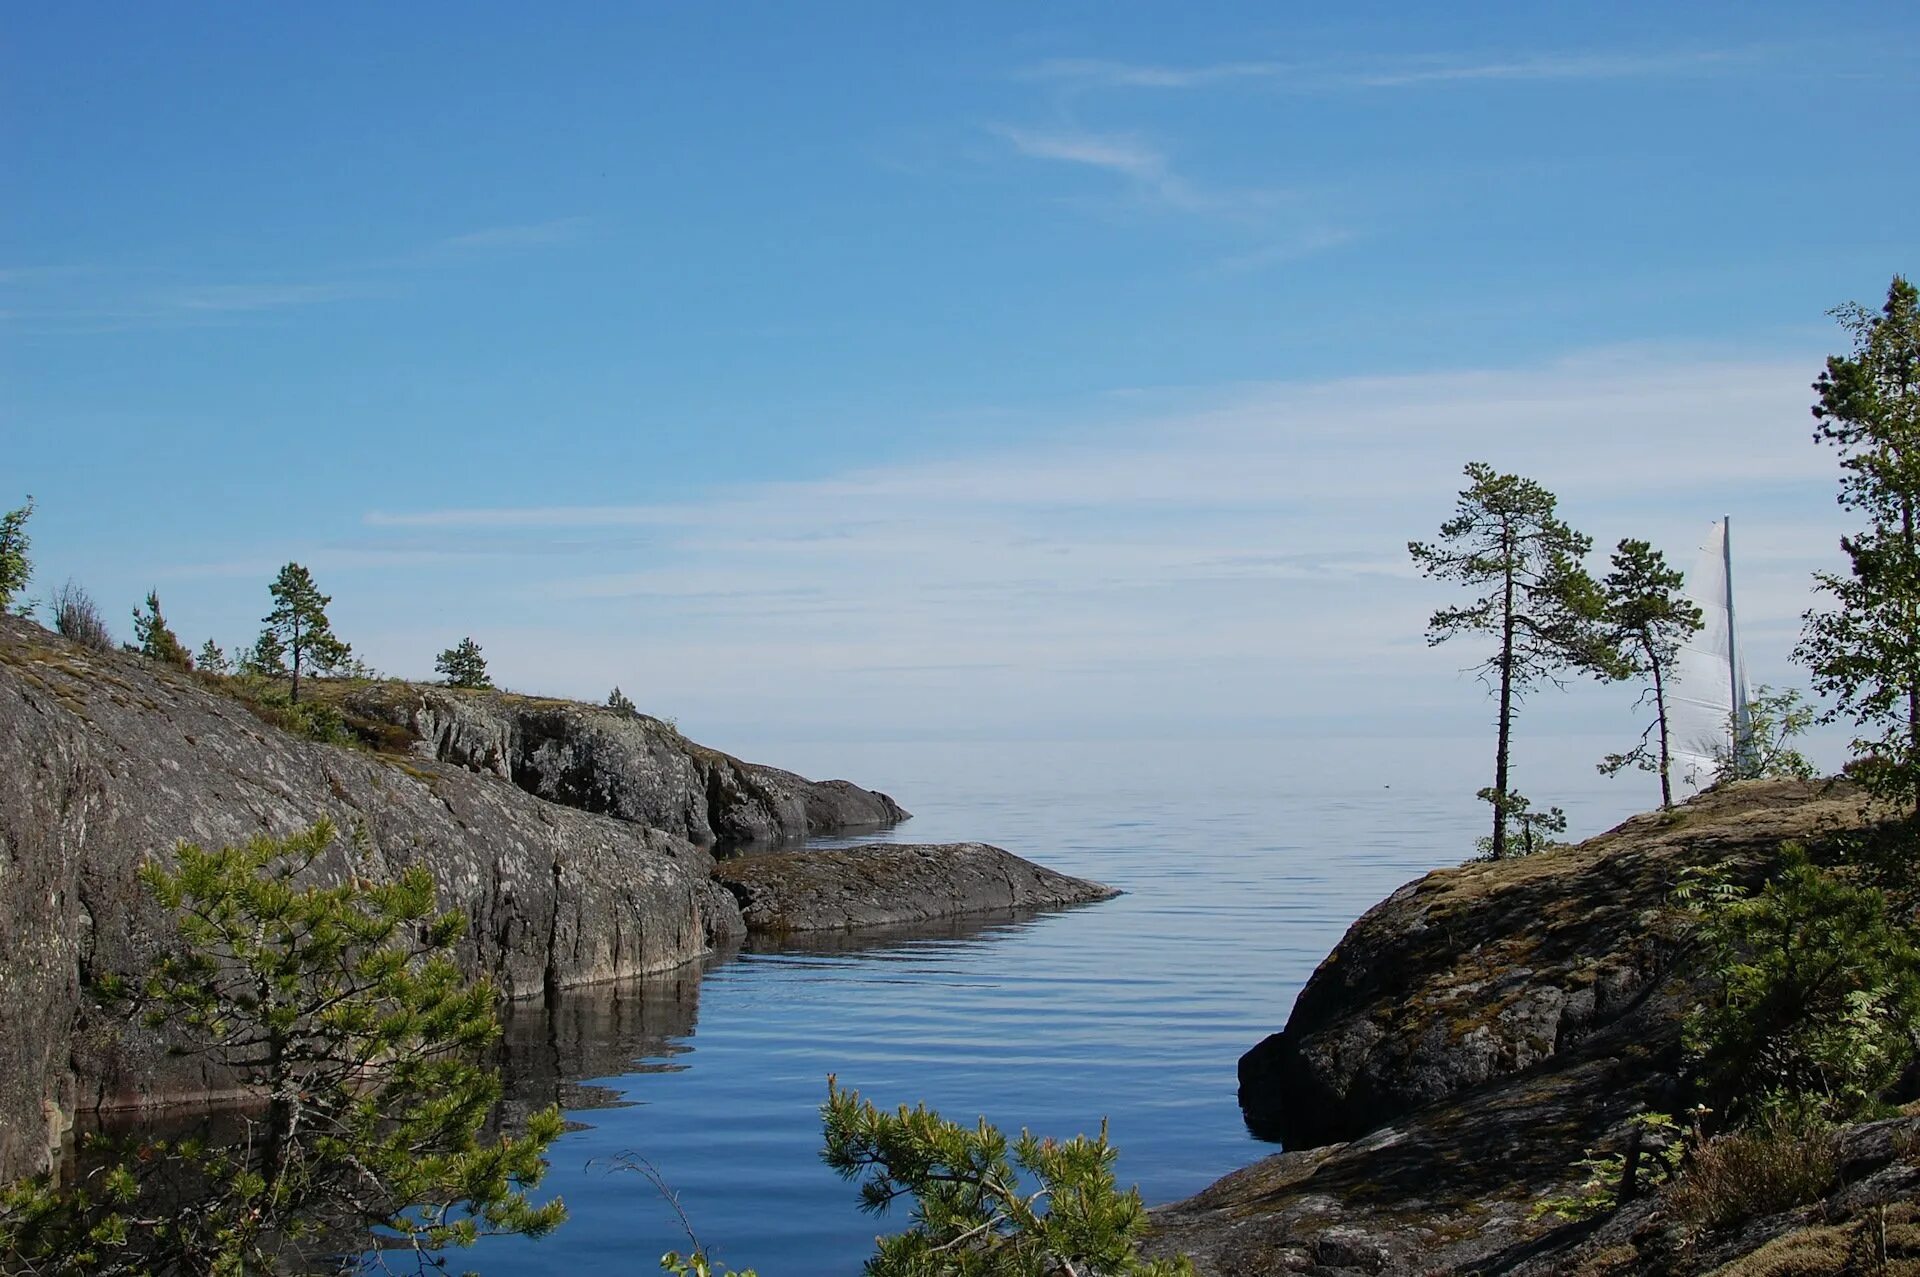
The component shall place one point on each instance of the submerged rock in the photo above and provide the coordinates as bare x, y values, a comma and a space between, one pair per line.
889, 884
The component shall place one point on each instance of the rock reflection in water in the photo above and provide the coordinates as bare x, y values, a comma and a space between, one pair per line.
552, 1054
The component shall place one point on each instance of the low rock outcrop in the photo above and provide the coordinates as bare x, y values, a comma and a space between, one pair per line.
889, 884
1478, 1033
1476, 973
617, 763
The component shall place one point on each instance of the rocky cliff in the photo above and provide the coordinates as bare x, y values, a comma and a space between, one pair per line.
1473, 1036
572, 838
622, 764
106, 759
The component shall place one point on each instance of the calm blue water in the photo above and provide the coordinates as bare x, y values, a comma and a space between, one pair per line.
1243, 861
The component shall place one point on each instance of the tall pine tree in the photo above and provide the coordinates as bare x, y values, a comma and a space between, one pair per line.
1864, 650
1540, 604
298, 625
1650, 618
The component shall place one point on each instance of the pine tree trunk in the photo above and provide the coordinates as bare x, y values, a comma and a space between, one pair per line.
296, 658
1660, 712
1913, 674
1506, 717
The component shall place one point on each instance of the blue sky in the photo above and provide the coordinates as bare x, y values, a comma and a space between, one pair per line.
1066, 369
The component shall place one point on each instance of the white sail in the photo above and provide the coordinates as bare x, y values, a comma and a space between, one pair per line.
1709, 686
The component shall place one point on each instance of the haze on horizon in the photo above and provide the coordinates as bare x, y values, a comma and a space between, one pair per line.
867, 372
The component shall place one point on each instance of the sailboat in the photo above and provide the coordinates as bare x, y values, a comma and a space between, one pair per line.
1707, 700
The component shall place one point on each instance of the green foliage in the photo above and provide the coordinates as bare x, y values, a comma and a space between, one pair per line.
1817, 995
340, 1008
212, 660
298, 626
1653, 1155
1540, 605
1533, 830
77, 618
267, 658
1649, 619
983, 1207
463, 665
1774, 721
619, 702
697, 1264
155, 638
1864, 651
16, 569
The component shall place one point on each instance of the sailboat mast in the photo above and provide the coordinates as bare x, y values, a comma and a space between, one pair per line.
1734, 697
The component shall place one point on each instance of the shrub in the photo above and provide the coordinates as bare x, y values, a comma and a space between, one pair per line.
76, 618
1782, 1162
1817, 996
619, 702
155, 638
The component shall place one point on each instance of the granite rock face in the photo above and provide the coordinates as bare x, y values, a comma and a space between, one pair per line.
107, 759
619, 764
889, 884
1477, 1034
1480, 972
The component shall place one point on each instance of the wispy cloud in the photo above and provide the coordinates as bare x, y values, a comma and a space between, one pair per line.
1117, 153
1306, 243
1259, 530
1146, 169
255, 297
557, 231
91, 299
1320, 77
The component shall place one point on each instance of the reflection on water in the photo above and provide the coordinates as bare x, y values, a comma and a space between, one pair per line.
1242, 865
630, 1026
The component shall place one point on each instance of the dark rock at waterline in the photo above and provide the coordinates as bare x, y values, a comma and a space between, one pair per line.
887, 884
1477, 973
621, 764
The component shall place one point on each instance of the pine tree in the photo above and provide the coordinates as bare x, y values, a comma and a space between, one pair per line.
212, 660
1865, 651
1542, 606
463, 665
340, 1009
298, 624
974, 1205
620, 702
267, 658
155, 638
1650, 619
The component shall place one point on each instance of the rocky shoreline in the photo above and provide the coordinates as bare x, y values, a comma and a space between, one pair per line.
578, 841
1476, 1034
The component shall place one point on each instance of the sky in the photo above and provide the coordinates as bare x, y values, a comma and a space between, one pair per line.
901, 372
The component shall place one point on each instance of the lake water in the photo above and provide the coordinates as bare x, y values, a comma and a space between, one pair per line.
1243, 862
